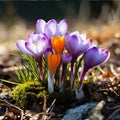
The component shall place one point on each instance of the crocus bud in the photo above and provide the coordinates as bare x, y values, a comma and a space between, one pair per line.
93, 57
53, 62
77, 43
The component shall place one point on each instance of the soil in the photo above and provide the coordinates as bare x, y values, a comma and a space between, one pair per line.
106, 86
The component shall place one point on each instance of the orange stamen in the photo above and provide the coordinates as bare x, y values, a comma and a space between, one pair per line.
53, 62
58, 44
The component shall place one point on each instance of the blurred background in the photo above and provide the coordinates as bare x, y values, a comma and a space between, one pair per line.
100, 19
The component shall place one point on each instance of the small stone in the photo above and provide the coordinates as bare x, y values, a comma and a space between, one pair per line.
77, 112
96, 112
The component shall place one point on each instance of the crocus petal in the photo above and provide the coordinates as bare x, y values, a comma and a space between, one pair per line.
75, 33
58, 44
50, 28
67, 39
48, 32
32, 37
31, 48
66, 57
37, 44
95, 56
42, 44
21, 46
40, 26
63, 26
53, 62
85, 45
47, 51
83, 36
77, 44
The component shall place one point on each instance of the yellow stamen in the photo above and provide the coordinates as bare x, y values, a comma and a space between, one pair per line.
66, 53
53, 62
35, 43
58, 44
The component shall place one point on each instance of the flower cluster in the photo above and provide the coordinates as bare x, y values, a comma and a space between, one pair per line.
60, 47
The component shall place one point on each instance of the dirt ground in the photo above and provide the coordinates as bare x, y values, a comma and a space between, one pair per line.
106, 86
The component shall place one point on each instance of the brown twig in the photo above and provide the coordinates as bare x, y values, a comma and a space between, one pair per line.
44, 104
49, 110
113, 71
14, 107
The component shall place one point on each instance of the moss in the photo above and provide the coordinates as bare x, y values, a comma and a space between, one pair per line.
28, 93
34, 91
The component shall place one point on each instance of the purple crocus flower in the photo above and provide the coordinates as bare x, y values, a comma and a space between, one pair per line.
93, 57
52, 28
76, 44
35, 45
21, 43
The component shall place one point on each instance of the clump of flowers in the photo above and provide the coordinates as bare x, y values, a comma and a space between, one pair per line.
63, 52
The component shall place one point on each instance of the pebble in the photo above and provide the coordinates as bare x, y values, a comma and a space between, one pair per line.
77, 112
